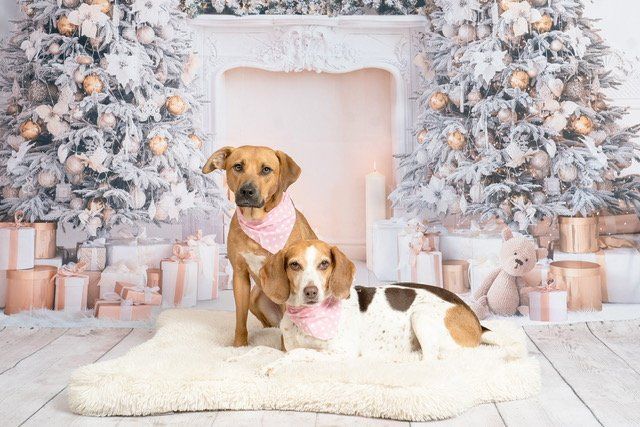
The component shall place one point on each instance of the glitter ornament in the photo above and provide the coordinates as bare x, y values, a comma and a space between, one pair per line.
438, 101
40, 92
456, 140
422, 136
568, 173
92, 84
599, 105
107, 120
540, 160
575, 90
158, 145
466, 33
539, 198
47, 179
176, 105
76, 203
63, 192
544, 24
13, 109
65, 27
73, 165
473, 97
30, 130
556, 45
519, 80
9, 192
582, 125
145, 34
197, 142
138, 198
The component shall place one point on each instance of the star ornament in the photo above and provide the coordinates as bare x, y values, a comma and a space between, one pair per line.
519, 15
487, 65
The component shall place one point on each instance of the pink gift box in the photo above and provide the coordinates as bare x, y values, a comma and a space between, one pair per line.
116, 310
548, 305
138, 294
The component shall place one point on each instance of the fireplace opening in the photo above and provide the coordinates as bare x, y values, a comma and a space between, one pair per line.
335, 126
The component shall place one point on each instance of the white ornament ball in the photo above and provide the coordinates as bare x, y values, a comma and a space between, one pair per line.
483, 31
54, 49
78, 76
421, 157
71, 3
76, 179
506, 115
540, 160
76, 203
145, 34
9, 192
539, 198
557, 45
47, 179
107, 121
166, 32
466, 33
568, 173
449, 30
73, 165
473, 97
138, 198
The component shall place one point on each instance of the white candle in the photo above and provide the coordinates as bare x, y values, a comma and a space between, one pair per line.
375, 206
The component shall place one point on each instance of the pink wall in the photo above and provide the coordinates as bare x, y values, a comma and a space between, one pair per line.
333, 125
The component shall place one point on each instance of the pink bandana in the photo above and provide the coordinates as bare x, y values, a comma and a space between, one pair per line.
271, 232
320, 321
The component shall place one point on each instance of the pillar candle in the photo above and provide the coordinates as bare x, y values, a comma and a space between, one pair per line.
375, 206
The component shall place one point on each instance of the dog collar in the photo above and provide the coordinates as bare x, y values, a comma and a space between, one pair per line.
272, 231
320, 321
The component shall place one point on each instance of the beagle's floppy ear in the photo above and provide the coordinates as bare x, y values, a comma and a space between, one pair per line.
342, 275
289, 170
274, 280
217, 160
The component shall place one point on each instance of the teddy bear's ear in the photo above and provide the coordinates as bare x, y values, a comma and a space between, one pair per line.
542, 253
507, 234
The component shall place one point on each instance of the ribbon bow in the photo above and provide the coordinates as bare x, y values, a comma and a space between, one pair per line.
72, 269
550, 286
114, 297
199, 237
182, 254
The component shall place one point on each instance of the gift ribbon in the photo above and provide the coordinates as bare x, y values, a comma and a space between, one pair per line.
14, 240
64, 272
181, 255
147, 291
545, 303
126, 305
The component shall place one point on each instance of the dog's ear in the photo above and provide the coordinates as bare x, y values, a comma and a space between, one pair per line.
342, 275
289, 170
274, 280
217, 160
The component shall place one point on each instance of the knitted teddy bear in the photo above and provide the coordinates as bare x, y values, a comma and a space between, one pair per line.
504, 292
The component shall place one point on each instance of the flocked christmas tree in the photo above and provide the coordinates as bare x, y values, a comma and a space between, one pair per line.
515, 124
97, 123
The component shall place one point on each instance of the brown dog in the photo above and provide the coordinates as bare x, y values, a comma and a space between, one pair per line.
258, 176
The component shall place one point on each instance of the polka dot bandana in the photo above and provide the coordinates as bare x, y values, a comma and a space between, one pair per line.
271, 232
320, 321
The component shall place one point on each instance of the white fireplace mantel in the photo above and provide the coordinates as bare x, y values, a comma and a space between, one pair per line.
308, 43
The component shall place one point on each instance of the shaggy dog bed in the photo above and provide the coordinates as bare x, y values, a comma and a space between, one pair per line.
189, 365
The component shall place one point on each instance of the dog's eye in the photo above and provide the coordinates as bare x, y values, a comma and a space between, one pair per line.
323, 265
266, 170
237, 167
295, 265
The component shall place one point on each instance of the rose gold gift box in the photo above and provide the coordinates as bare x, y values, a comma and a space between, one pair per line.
116, 311
578, 235
456, 275
45, 239
129, 291
582, 282
30, 289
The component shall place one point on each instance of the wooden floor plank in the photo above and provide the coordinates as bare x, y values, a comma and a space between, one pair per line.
623, 338
480, 416
604, 382
38, 378
19, 343
556, 405
264, 419
333, 420
58, 409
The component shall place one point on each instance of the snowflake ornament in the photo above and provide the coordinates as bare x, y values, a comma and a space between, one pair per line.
519, 15
89, 18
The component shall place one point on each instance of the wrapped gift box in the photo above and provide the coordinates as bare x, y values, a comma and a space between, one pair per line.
154, 278
30, 289
71, 288
17, 246
463, 246
136, 275
45, 246
413, 263
122, 310
384, 247
620, 272
424, 267
456, 275
93, 290
206, 249
581, 280
53, 262
180, 279
548, 305
140, 251
138, 294
479, 270
94, 254
619, 224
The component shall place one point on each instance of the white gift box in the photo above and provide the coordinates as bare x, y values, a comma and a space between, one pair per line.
427, 269
479, 270
548, 305
71, 293
122, 272
17, 247
179, 283
460, 246
149, 252
384, 250
207, 251
620, 272
53, 262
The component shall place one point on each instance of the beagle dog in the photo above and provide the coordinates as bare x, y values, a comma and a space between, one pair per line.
324, 312
264, 222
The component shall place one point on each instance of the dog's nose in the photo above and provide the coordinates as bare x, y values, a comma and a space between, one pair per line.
311, 292
248, 190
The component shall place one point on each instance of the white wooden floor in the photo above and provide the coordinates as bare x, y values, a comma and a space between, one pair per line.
590, 371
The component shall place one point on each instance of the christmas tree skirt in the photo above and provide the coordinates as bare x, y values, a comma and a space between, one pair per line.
189, 365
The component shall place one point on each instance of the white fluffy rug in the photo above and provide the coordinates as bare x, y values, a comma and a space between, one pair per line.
189, 366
